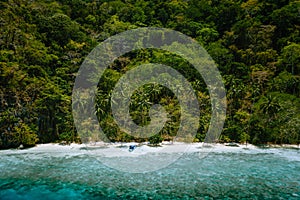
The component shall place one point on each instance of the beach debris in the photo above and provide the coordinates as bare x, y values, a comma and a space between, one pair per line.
232, 144
132, 147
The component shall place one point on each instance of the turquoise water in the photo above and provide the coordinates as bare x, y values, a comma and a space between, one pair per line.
247, 174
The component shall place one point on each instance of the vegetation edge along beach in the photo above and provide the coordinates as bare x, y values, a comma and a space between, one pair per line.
255, 45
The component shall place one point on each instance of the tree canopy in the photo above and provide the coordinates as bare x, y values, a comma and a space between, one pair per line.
255, 44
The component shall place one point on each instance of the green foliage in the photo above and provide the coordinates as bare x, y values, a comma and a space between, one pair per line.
255, 45
275, 119
155, 139
25, 135
291, 58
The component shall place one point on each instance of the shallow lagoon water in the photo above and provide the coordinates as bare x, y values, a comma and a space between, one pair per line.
225, 173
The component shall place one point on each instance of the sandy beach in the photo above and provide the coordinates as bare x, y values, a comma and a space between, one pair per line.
122, 149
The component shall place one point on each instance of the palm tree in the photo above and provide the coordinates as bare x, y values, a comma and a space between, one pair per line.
270, 106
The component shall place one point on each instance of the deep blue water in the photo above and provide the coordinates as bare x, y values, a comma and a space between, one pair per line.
247, 174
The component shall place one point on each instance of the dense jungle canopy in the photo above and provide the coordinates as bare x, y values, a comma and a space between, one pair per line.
254, 43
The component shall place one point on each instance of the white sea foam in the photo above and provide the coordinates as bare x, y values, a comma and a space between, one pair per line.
122, 149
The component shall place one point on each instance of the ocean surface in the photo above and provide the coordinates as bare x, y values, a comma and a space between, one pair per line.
225, 173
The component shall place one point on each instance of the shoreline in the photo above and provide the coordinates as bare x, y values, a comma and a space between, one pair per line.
228, 144
119, 145
121, 150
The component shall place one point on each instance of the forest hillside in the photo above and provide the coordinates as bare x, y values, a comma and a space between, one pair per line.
254, 43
